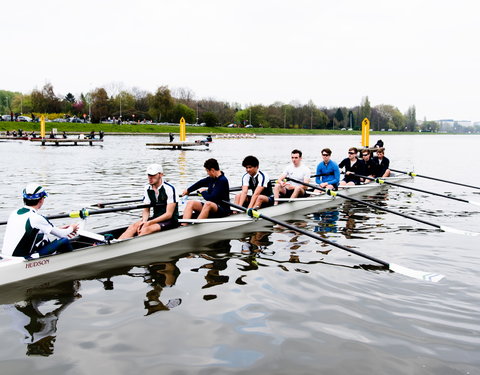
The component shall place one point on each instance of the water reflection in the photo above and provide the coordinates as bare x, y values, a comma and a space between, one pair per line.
158, 276
36, 318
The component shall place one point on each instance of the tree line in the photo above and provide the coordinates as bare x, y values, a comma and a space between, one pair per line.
166, 106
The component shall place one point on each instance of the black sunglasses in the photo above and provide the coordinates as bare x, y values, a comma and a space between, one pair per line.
325, 154
351, 152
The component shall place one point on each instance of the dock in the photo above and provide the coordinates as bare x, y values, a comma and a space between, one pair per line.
179, 145
65, 141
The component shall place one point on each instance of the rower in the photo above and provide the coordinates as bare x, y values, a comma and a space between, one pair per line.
297, 171
217, 192
352, 166
381, 163
328, 173
162, 196
256, 181
369, 167
27, 231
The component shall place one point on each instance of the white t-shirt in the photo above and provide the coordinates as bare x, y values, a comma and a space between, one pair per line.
169, 191
299, 173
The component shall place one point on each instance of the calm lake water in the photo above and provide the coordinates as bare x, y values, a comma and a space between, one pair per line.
259, 299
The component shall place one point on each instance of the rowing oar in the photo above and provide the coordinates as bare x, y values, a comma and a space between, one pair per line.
83, 213
335, 194
427, 276
103, 204
434, 178
381, 181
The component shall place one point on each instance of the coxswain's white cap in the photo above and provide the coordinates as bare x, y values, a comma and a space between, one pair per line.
34, 191
154, 169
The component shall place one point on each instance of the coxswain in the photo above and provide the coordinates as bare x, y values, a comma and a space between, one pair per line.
27, 231
289, 189
217, 191
162, 197
257, 182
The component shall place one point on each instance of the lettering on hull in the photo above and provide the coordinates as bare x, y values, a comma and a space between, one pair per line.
37, 263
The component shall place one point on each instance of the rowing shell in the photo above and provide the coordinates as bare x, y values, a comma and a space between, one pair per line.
89, 249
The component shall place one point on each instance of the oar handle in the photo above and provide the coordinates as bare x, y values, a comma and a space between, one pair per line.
258, 215
435, 179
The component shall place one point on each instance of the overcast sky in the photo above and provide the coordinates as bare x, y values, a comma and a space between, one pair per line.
422, 53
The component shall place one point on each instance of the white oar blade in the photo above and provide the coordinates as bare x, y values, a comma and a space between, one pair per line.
420, 275
458, 231
475, 203
93, 236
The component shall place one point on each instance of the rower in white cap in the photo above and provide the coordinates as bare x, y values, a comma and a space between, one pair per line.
161, 195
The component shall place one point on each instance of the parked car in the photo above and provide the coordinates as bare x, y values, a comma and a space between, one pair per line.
75, 120
231, 126
7, 118
24, 119
249, 126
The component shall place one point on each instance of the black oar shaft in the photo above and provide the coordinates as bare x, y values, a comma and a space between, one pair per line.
435, 179
86, 213
412, 188
103, 204
367, 204
312, 235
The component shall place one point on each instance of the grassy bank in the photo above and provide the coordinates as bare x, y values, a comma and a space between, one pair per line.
126, 128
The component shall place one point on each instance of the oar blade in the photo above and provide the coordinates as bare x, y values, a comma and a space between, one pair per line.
420, 275
458, 231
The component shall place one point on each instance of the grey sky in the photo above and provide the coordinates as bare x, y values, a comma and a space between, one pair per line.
422, 53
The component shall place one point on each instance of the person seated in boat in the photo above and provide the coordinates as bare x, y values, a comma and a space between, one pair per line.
296, 170
162, 196
64, 135
218, 190
381, 163
28, 232
8, 133
352, 166
369, 167
327, 175
52, 135
257, 182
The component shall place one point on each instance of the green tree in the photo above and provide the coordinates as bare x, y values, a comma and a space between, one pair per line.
100, 105
45, 101
209, 118
411, 119
123, 105
339, 117
160, 103
181, 110
365, 110
6, 98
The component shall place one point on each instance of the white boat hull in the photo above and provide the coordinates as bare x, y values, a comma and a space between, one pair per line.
18, 269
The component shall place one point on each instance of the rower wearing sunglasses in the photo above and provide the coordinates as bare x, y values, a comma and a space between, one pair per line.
352, 166
328, 174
